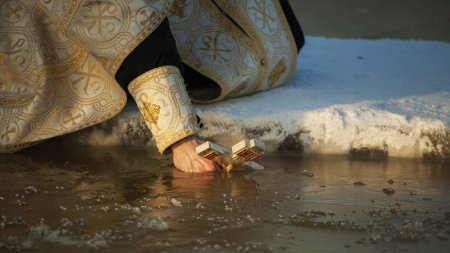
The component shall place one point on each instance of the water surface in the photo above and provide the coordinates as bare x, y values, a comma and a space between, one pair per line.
131, 200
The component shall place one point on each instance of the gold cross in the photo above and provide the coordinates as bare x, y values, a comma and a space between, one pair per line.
215, 46
97, 20
87, 76
147, 18
264, 15
72, 117
14, 11
151, 113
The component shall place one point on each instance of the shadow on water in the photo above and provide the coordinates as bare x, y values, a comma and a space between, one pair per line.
122, 200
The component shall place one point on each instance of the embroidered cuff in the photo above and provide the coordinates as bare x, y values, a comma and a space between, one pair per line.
163, 101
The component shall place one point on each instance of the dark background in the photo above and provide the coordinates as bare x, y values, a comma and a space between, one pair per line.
374, 19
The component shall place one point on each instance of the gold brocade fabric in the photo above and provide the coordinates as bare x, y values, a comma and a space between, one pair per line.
58, 59
245, 46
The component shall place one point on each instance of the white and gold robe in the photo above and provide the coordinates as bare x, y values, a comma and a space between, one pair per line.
58, 58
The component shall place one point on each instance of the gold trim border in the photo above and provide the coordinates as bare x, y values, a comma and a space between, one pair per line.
291, 39
156, 72
141, 36
256, 42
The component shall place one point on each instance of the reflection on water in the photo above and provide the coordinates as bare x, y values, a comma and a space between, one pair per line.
117, 200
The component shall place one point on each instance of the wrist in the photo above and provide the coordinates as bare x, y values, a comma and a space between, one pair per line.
187, 139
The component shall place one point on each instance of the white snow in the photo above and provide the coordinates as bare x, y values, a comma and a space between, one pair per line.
349, 94
392, 96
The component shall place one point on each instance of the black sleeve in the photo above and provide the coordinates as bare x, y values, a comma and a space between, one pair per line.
293, 24
157, 50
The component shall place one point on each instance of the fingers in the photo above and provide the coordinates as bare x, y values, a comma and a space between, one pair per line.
201, 165
208, 165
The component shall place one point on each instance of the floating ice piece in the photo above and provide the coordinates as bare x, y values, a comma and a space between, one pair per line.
136, 210
176, 202
156, 223
40, 230
96, 242
307, 173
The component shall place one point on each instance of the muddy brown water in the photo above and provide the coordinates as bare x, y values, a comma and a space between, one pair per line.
131, 200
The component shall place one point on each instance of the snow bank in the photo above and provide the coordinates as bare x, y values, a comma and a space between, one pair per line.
382, 97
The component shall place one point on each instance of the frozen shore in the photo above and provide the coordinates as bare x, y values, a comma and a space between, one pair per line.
376, 97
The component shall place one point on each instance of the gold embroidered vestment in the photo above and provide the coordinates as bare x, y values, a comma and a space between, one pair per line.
58, 58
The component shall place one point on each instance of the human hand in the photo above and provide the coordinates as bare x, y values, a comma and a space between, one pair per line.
185, 157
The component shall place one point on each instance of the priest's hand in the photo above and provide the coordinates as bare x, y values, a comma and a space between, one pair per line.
186, 159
